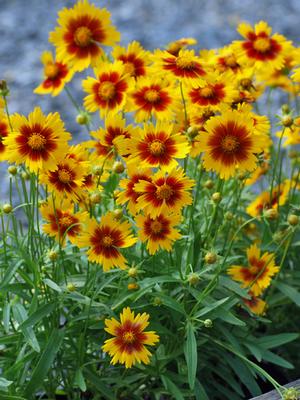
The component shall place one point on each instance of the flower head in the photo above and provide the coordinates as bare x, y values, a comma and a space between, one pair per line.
134, 58
128, 345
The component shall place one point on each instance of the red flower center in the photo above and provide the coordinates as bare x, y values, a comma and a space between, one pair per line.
164, 192
66, 221
128, 337
152, 96
51, 70
107, 241
107, 90
36, 141
64, 175
157, 148
207, 92
230, 144
129, 68
156, 227
83, 36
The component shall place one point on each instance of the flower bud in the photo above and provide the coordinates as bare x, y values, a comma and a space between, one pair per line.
293, 219
285, 109
157, 301
246, 83
193, 279
7, 208
209, 184
208, 323
12, 169
287, 121
118, 213
95, 198
52, 255
228, 216
71, 287
4, 91
25, 176
133, 286
118, 167
82, 118
271, 213
193, 131
132, 272
291, 394
216, 197
210, 258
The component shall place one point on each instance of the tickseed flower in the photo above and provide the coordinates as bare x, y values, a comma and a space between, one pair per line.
260, 48
128, 345
229, 143
4, 130
56, 74
255, 304
258, 273
62, 220
81, 31
66, 180
158, 232
135, 58
175, 47
108, 91
264, 202
109, 139
184, 66
39, 141
157, 146
213, 91
226, 60
129, 195
153, 97
165, 194
104, 241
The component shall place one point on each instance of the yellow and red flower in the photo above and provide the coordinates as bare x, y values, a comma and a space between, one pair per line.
229, 144
128, 345
153, 97
255, 304
81, 31
108, 91
158, 232
157, 146
135, 58
39, 141
175, 47
56, 74
104, 241
165, 193
258, 273
260, 48
4, 130
62, 220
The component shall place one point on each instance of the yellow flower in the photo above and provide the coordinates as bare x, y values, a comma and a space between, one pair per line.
4, 130
229, 144
175, 47
108, 91
135, 58
81, 31
258, 273
104, 241
255, 304
56, 74
39, 141
128, 345
158, 232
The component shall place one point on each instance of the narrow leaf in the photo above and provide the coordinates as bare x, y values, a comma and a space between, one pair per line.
191, 355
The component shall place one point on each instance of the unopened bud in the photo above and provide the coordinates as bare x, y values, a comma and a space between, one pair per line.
228, 216
291, 394
246, 83
4, 91
193, 131
95, 198
82, 118
71, 287
193, 279
12, 170
157, 301
210, 258
293, 219
52, 255
287, 121
25, 176
7, 208
216, 197
132, 272
208, 323
133, 286
118, 213
118, 167
209, 184
271, 213
285, 109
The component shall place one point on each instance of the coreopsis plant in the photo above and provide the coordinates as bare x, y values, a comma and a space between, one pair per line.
158, 258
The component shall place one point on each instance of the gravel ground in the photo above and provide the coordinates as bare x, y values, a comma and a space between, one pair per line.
25, 24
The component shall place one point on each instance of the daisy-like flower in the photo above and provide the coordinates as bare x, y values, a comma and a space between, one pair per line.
129, 195
260, 48
226, 60
158, 232
39, 141
153, 97
290, 134
215, 90
265, 202
255, 304
66, 180
104, 241
109, 90
81, 31
258, 273
128, 345
4, 130
157, 146
135, 58
62, 220
111, 138
56, 75
175, 47
184, 66
229, 143
165, 193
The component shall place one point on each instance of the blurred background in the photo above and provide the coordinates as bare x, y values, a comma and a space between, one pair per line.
25, 25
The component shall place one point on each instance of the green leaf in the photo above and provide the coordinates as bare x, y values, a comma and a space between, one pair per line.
269, 342
171, 303
46, 360
213, 306
275, 359
79, 380
10, 273
227, 316
38, 315
4, 384
290, 292
191, 354
97, 382
171, 387
6, 397
200, 392
6, 316
52, 285
233, 286
20, 315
